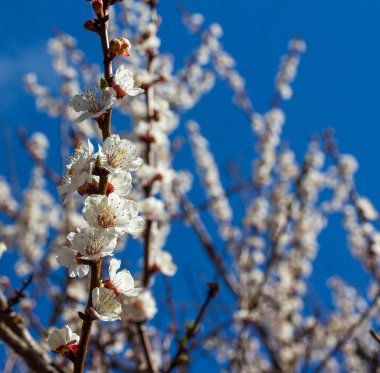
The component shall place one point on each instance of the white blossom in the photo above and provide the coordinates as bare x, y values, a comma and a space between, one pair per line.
79, 169
162, 261
121, 182
119, 155
93, 103
124, 83
63, 340
113, 214
67, 257
152, 208
141, 308
93, 244
38, 145
105, 306
120, 282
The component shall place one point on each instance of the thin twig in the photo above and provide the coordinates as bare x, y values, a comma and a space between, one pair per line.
96, 268
348, 334
192, 328
147, 347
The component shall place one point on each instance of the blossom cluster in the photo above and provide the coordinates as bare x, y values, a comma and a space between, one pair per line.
108, 214
263, 249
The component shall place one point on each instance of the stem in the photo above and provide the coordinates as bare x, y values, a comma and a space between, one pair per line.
96, 267
192, 328
345, 338
147, 347
147, 272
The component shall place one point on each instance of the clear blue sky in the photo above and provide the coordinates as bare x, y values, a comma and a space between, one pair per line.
337, 86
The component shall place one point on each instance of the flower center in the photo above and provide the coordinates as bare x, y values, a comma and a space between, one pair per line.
106, 219
93, 102
108, 304
93, 248
116, 157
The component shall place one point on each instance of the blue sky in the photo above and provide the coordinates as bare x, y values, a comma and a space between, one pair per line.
337, 86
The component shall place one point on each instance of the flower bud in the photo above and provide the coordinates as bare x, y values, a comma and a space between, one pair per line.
120, 47
97, 5
91, 25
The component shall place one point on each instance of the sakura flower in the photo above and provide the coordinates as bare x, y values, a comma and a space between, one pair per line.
141, 308
366, 208
152, 208
79, 169
93, 103
112, 213
93, 244
105, 306
38, 145
120, 282
162, 261
121, 182
63, 341
124, 84
67, 257
119, 155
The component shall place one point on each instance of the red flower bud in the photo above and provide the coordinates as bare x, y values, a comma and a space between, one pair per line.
97, 5
91, 25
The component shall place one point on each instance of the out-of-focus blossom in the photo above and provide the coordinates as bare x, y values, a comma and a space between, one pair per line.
38, 145
162, 261
141, 308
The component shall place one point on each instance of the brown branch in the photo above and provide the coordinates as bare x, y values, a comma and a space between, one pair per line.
15, 334
96, 268
19, 294
374, 335
348, 334
274, 252
192, 328
146, 346
147, 236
